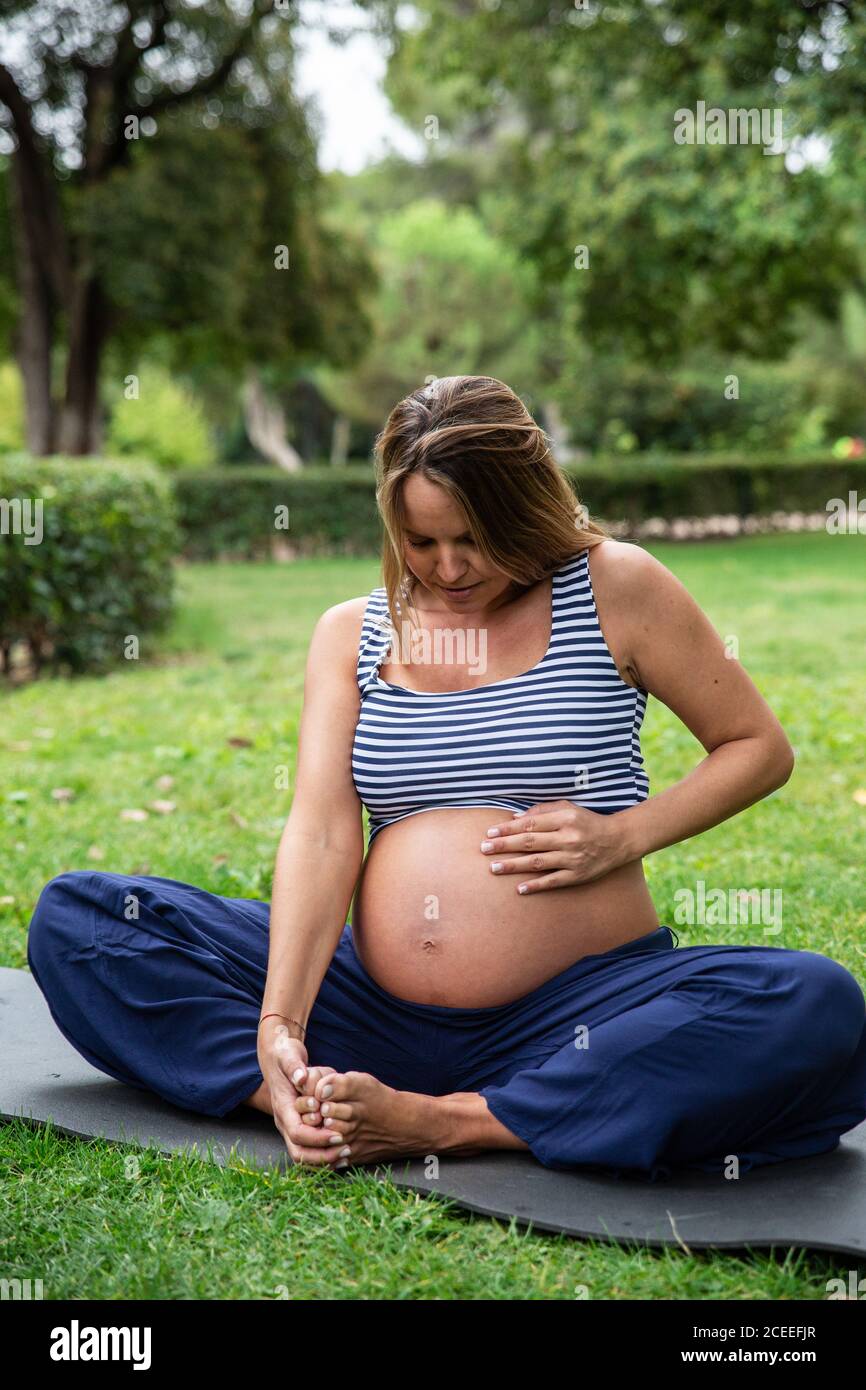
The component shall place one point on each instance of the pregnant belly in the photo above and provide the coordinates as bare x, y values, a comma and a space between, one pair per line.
432, 924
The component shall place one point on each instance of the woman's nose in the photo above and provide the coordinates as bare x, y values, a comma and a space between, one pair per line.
452, 578
451, 569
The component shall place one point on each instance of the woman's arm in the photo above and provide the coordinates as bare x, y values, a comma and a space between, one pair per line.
661, 640
322, 845
675, 653
319, 856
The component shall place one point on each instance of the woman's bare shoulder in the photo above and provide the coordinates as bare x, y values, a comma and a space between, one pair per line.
337, 634
346, 613
624, 566
632, 593
634, 585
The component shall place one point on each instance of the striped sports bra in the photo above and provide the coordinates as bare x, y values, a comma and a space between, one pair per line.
569, 728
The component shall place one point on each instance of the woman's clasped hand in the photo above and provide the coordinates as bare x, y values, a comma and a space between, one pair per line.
292, 1086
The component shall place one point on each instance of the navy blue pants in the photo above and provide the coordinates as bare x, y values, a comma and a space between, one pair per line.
639, 1060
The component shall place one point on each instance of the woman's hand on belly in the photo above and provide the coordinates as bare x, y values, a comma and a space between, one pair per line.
562, 843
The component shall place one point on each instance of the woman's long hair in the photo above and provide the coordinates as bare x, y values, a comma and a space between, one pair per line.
475, 438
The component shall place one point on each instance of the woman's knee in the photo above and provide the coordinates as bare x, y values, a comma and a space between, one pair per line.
56, 924
832, 1009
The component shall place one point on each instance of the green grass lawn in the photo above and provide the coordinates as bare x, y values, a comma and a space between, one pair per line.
91, 1224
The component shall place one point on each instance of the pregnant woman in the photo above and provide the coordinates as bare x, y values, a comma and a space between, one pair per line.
505, 982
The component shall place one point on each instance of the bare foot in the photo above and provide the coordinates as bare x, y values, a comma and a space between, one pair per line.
374, 1121
307, 1102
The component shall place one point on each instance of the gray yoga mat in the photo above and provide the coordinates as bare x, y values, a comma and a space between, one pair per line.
815, 1202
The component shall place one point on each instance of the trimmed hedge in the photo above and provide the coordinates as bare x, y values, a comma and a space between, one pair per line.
670, 486
230, 511
100, 572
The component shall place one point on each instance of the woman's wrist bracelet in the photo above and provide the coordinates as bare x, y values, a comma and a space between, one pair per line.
286, 1018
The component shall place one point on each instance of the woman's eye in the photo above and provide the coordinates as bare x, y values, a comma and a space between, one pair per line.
420, 545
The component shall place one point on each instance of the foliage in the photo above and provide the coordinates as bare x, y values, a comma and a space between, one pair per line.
165, 423
11, 407
202, 269
452, 299
614, 402
571, 111
175, 199
234, 511
99, 571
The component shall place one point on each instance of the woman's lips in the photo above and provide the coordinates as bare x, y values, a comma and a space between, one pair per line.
459, 593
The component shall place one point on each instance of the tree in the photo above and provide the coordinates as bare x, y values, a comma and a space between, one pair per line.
686, 244
451, 300
163, 184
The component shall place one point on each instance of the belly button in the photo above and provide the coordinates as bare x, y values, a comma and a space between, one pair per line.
428, 945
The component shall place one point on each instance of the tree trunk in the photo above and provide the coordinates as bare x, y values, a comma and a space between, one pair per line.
33, 332
80, 424
340, 441
265, 423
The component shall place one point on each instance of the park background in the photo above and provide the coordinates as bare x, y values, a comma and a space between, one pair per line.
212, 292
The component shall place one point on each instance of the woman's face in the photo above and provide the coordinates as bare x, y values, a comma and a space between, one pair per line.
439, 551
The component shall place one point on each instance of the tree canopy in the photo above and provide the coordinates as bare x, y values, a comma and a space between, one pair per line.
162, 182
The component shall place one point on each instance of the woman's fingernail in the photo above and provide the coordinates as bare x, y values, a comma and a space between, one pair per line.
486, 845
296, 1076
314, 1104
523, 888
344, 1152
497, 868
494, 831
327, 1122
326, 1109
336, 1139
327, 1091
344, 1164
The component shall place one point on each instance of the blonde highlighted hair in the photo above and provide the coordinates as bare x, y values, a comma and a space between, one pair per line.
472, 436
